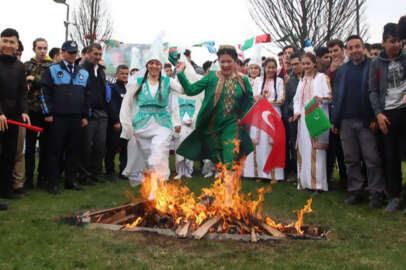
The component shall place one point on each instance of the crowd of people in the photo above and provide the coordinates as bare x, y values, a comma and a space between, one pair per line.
196, 111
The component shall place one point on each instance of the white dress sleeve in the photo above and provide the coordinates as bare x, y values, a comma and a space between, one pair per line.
297, 100
256, 86
280, 89
324, 88
174, 109
128, 109
175, 86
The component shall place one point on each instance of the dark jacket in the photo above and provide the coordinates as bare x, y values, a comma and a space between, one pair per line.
65, 93
13, 89
118, 91
35, 68
378, 80
291, 87
339, 94
97, 86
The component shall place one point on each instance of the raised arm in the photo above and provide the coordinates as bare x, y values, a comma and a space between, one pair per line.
193, 89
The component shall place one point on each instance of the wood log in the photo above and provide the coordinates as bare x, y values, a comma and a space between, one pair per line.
272, 230
114, 217
254, 237
166, 232
202, 230
111, 227
242, 225
183, 231
88, 213
124, 219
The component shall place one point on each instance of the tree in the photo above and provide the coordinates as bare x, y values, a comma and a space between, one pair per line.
291, 22
92, 22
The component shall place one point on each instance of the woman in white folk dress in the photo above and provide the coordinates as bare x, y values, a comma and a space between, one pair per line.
311, 153
146, 120
270, 87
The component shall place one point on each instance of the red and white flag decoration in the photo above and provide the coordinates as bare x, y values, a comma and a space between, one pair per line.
264, 116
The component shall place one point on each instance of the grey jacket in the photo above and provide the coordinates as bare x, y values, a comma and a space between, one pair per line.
378, 80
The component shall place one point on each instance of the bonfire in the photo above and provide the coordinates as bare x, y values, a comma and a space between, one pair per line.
171, 208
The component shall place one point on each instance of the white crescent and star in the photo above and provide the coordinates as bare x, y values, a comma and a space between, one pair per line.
265, 116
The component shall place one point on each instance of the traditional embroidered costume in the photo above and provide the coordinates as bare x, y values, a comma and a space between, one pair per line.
148, 116
255, 161
187, 113
225, 102
312, 152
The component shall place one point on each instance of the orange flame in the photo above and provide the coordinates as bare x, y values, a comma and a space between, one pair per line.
223, 198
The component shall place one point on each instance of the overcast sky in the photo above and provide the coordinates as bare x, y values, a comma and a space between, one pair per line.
185, 22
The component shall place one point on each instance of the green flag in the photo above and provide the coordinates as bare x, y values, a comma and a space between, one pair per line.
316, 120
248, 44
173, 55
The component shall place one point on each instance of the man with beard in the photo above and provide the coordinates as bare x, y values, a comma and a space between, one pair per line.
352, 114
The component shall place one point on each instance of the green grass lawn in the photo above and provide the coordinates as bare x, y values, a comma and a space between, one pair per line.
33, 235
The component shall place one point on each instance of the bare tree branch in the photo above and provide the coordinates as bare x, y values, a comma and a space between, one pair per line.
316, 20
92, 22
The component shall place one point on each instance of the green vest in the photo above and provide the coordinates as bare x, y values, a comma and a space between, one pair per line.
150, 106
186, 106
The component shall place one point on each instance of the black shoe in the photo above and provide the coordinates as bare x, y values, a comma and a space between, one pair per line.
354, 199
123, 177
10, 195
86, 181
21, 191
42, 184
73, 186
54, 190
98, 179
377, 200
112, 177
28, 185
3, 206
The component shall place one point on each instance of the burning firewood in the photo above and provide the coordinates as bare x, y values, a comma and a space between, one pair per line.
254, 237
271, 230
202, 230
124, 219
183, 231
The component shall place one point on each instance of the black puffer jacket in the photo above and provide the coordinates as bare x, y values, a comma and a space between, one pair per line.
13, 99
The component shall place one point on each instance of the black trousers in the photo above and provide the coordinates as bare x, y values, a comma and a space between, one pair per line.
37, 119
114, 145
291, 158
8, 149
335, 152
394, 148
65, 136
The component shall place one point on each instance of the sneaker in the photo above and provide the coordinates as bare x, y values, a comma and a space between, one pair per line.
178, 176
393, 205
404, 211
377, 200
354, 199
187, 175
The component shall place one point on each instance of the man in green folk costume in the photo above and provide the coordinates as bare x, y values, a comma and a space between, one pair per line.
228, 97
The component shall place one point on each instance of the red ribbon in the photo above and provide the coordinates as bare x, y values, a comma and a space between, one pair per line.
34, 128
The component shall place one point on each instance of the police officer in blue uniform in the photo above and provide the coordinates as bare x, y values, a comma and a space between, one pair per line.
66, 94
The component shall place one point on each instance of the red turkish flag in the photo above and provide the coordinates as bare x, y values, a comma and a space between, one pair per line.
264, 116
265, 38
